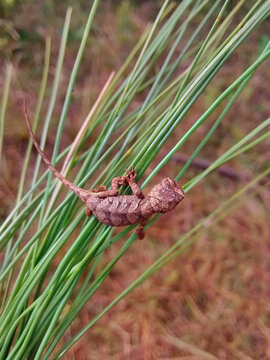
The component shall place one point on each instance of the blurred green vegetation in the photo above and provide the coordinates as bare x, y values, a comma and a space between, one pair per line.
195, 295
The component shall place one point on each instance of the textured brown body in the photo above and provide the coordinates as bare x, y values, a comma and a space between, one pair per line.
113, 209
118, 210
122, 210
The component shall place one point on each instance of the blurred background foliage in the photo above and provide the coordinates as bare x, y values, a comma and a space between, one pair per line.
215, 296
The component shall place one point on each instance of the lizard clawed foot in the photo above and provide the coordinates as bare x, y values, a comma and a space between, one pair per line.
100, 189
131, 174
139, 230
122, 181
140, 233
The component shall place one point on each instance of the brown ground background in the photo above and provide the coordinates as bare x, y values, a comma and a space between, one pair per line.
212, 302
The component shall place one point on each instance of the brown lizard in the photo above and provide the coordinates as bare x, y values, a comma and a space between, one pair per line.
113, 209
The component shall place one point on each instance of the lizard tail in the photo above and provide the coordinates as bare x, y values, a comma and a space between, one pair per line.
81, 193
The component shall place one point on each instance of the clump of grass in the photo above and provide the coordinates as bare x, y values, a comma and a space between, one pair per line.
39, 304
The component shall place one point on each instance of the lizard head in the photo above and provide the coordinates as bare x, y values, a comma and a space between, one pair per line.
166, 195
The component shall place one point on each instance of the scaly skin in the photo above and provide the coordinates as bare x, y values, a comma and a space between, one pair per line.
113, 209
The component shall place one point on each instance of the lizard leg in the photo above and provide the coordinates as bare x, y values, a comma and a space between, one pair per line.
99, 189
88, 212
116, 182
139, 230
130, 179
